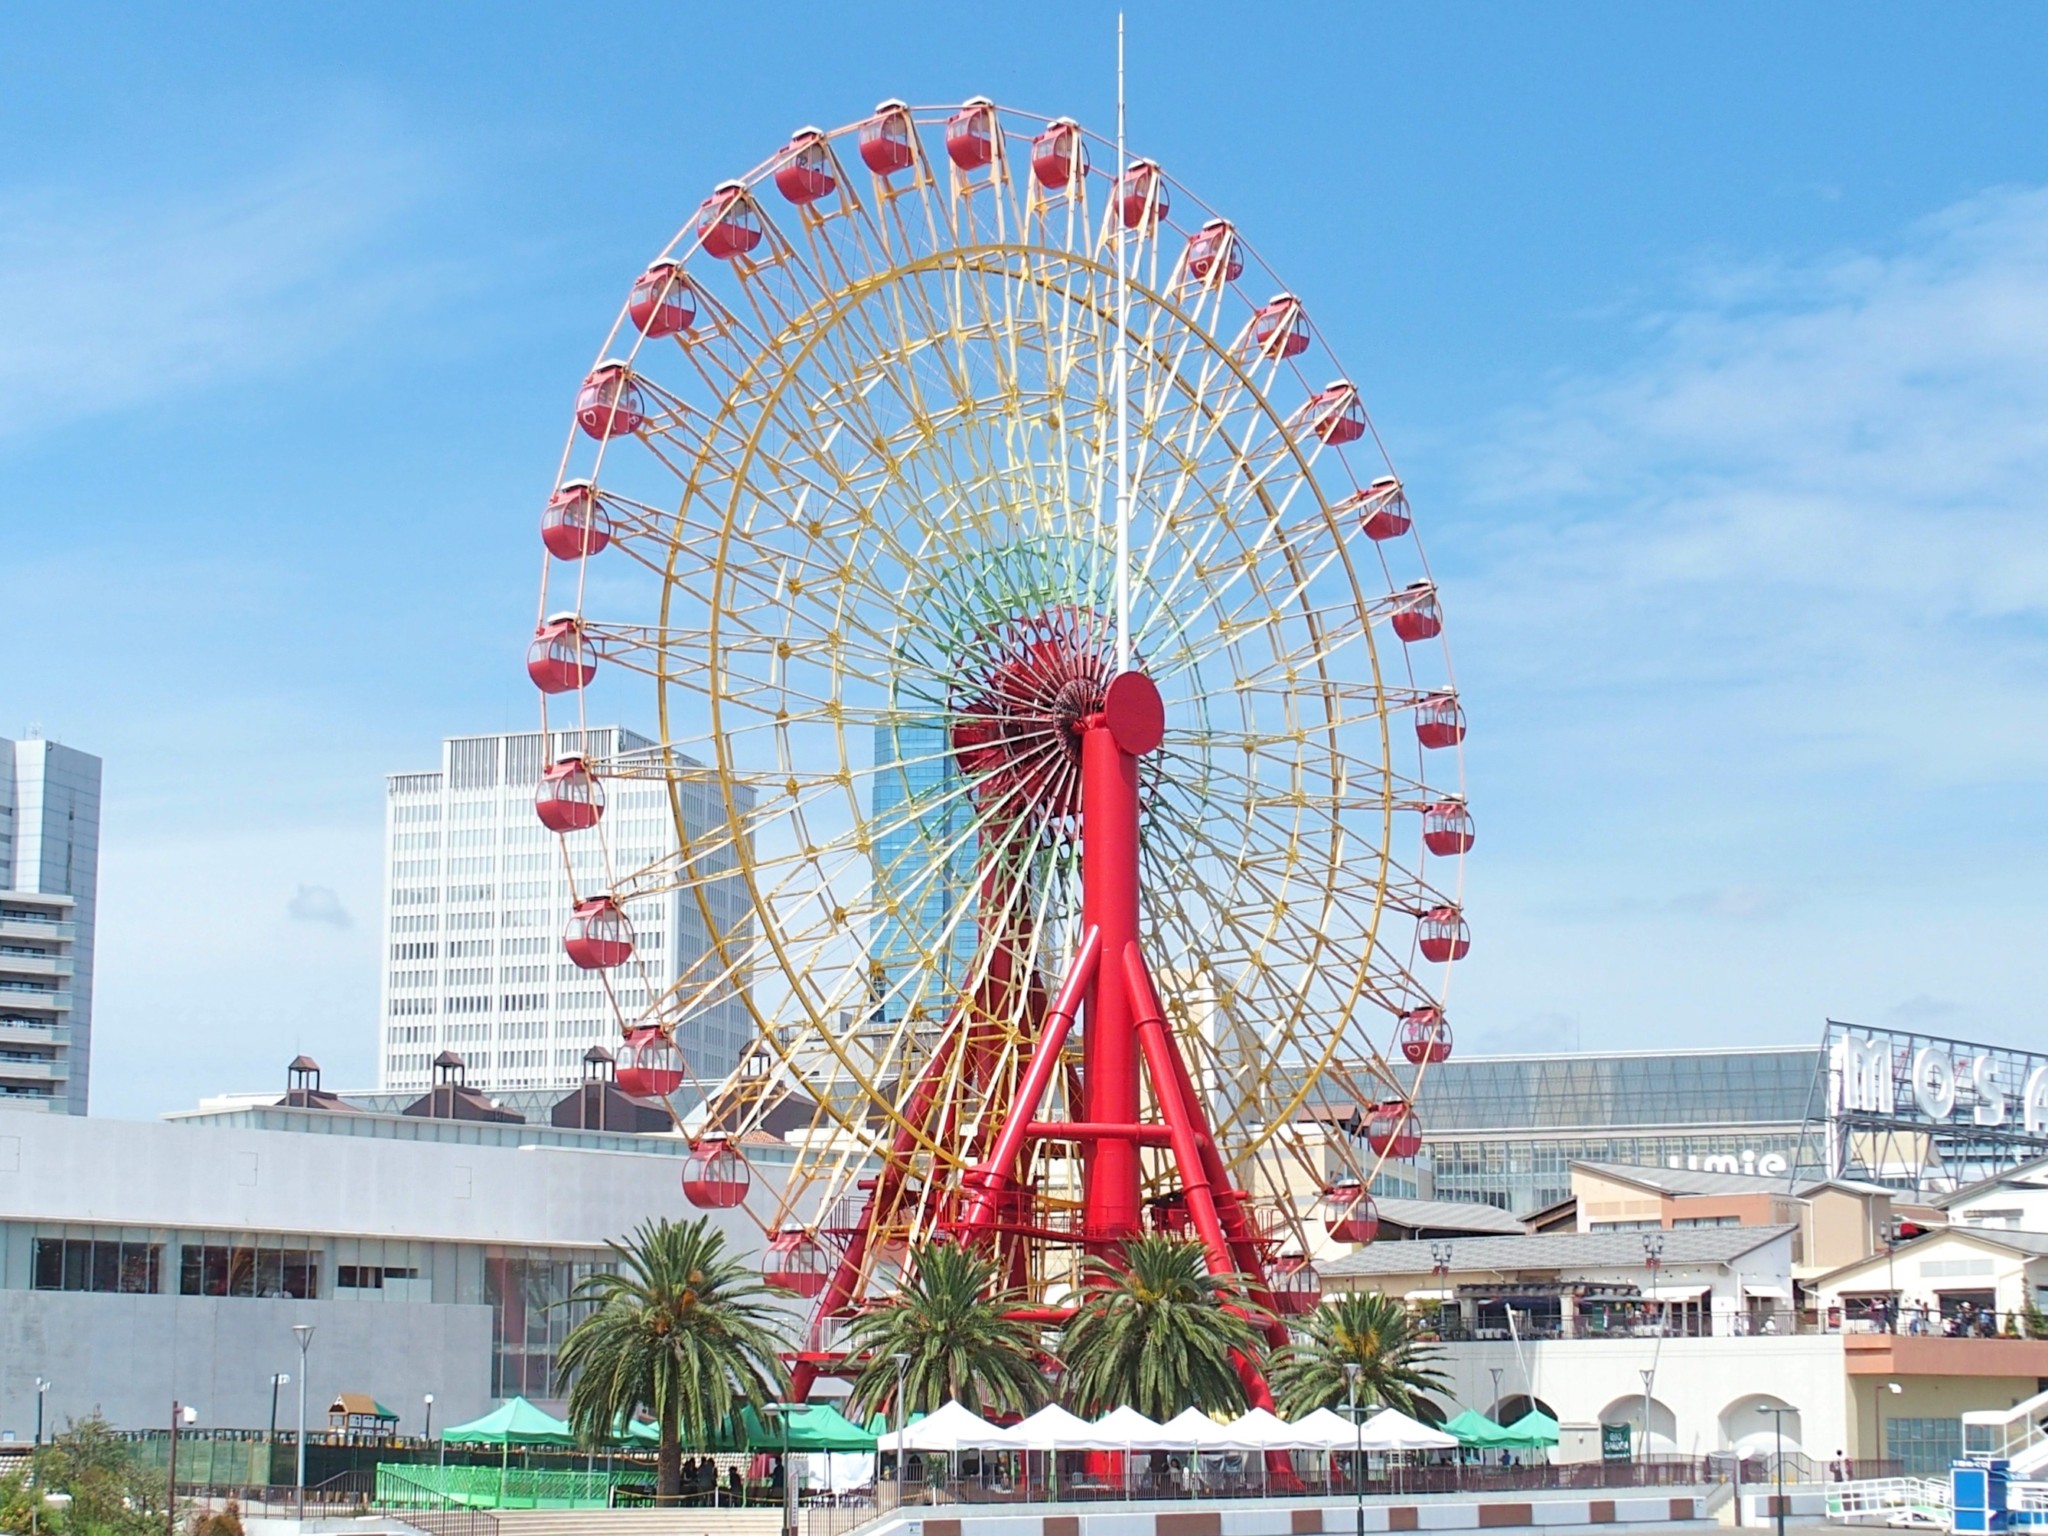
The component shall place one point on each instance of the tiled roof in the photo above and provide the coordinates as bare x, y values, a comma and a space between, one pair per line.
1562, 1250
1689, 1181
1457, 1215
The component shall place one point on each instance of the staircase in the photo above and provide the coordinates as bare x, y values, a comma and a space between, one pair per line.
2019, 1434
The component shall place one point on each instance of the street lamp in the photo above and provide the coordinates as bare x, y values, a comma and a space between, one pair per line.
1653, 1261
278, 1379
42, 1391
782, 1411
902, 1360
1358, 1430
1648, 1376
304, 1333
181, 1413
1440, 1266
430, 1416
1778, 1416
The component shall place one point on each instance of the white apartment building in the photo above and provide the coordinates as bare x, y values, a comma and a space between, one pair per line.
49, 885
475, 901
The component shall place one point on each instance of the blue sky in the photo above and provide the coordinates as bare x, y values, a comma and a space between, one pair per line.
1711, 341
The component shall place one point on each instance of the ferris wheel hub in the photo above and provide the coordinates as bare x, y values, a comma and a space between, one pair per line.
1134, 712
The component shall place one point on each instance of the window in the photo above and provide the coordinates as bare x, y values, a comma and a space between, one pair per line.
247, 1270
1707, 1221
86, 1264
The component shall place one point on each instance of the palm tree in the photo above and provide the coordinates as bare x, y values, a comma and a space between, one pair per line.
681, 1328
948, 1318
1157, 1331
1366, 1329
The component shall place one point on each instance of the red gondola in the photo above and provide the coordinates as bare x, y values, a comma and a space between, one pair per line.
885, 139
649, 1065
1425, 1035
796, 1261
1417, 614
1349, 1213
1297, 1287
1394, 1130
971, 134
716, 1177
1280, 328
662, 303
1382, 509
1216, 242
598, 936
1440, 720
806, 174
1447, 827
1444, 935
610, 402
568, 797
1142, 198
1059, 155
574, 523
728, 223
561, 657
1337, 414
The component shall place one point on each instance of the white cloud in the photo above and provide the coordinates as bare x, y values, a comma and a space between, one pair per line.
1764, 611
317, 904
104, 305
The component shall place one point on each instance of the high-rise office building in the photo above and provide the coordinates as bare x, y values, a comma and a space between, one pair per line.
925, 858
476, 898
49, 887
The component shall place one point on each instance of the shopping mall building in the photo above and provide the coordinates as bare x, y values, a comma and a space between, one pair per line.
1911, 1111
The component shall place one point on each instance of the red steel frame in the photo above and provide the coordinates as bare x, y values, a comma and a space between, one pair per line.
1128, 1042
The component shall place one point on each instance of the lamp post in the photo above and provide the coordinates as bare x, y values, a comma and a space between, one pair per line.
902, 1360
304, 1333
1883, 1448
782, 1412
1440, 1266
42, 1391
181, 1413
1649, 1376
1653, 1261
1778, 1498
430, 1417
1358, 1430
277, 1379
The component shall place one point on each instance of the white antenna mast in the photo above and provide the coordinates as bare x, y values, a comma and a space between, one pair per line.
1123, 318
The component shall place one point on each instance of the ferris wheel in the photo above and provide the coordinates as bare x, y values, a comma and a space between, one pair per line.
843, 488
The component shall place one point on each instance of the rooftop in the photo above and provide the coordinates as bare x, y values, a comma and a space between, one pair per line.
1562, 1250
1455, 1215
1688, 1181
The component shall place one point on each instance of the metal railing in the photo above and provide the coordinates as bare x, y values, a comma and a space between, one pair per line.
1890, 1501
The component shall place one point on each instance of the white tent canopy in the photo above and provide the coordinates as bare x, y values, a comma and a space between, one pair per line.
1260, 1429
1127, 1429
1192, 1429
1326, 1431
1392, 1430
1052, 1428
948, 1428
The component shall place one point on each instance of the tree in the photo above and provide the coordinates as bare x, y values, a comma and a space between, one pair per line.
112, 1493
1155, 1330
1364, 1328
682, 1329
948, 1317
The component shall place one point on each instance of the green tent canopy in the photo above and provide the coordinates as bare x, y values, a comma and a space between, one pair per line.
812, 1427
517, 1422
1534, 1428
1475, 1429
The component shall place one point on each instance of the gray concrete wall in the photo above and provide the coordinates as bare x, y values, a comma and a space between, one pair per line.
129, 1357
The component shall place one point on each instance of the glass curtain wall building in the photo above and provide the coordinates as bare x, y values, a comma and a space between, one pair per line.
475, 900
49, 890
1504, 1130
924, 859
